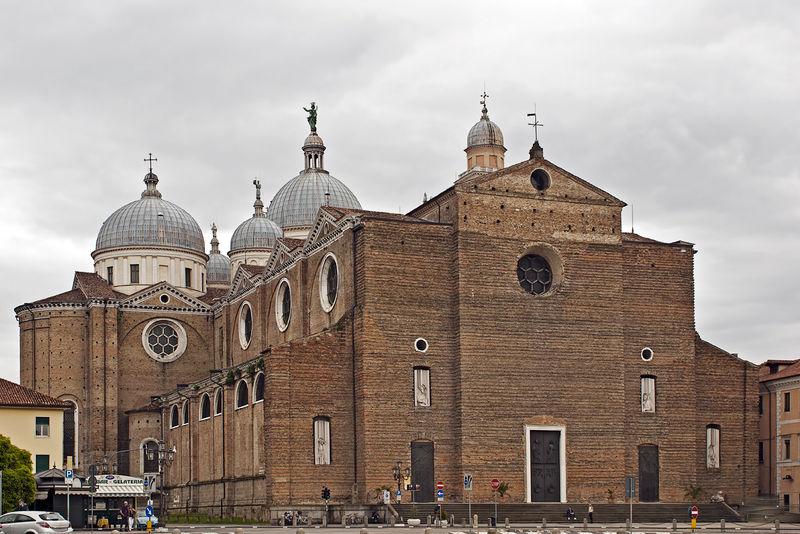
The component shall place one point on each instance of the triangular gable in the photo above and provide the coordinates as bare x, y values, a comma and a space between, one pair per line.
565, 185
325, 223
242, 281
150, 298
284, 251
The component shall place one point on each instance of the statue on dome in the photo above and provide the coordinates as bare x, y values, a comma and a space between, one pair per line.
312, 116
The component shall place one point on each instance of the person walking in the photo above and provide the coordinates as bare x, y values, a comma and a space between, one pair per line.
125, 512
591, 511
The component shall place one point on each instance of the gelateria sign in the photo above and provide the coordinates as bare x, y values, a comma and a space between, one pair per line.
120, 486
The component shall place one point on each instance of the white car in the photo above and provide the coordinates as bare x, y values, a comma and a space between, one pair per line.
33, 522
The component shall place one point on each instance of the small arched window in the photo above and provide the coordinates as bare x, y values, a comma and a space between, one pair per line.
70, 441
258, 388
218, 402
173, 418
185, 412
241, 394
205, 406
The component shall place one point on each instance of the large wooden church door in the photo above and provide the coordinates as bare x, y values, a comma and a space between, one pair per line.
545, 466
648, 473
422, 470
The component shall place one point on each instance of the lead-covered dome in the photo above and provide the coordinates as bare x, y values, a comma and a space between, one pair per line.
257, 232
151, 222
218, 266
296, 203
485, 132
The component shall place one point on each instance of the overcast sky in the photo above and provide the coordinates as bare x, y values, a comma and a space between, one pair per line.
686, 110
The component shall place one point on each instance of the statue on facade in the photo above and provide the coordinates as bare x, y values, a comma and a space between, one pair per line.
312, 116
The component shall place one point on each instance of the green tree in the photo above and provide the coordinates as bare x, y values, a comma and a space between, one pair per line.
693, 493
18, 481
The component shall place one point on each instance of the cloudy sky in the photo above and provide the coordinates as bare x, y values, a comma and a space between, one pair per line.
686, 110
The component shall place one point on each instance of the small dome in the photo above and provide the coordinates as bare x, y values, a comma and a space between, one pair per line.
485, 132
299, 200
313, 140
255, 232
218, 269
151, 222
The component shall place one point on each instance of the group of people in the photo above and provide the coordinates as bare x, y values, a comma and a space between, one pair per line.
128, 515
571, 513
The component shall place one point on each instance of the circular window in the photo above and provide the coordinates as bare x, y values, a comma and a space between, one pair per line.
647, 354
421, 344
328, 282
534, 274
245, 324
164, 340
283, 305
164, 298
540, 179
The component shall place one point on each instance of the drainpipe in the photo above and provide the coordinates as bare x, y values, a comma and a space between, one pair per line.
357, 227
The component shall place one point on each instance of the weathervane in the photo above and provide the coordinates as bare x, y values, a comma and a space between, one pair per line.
150, 159
535, 125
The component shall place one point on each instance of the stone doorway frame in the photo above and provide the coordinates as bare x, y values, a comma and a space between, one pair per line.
562, 458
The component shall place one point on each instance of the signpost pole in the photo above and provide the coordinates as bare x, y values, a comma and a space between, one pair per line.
68, 485
495, 507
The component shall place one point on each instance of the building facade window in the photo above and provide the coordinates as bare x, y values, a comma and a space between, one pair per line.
712, 446
534, 274
70, 441
188, 277
245, 324
648, 394
205, 406
322, 441
218, 402
787, 449
283, 305
185, 414
150, 465
173, 417
42, 427
42, 462
110, 275
422, 386
787, 402
258, 388
134, 273
761, 405
328, 282
761, 452
164, 340
241, 394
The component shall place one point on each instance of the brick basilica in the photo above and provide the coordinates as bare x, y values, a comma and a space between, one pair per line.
506, 327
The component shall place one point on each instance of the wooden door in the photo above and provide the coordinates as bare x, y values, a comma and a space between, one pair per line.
545, 466
648, 473
422, 470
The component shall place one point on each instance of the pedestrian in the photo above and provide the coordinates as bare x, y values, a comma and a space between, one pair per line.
591, 511
570, 514
131, 519
22, 506
125, 512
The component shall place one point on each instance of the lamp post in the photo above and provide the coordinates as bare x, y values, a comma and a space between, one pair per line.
165, 456
399, 474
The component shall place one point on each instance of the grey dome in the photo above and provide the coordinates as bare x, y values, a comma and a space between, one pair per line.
151, 222
255, 232
485, 132
218, 268
297, 202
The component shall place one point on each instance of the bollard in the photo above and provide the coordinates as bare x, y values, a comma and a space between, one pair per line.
674, 524
344, 519
294, 521
428, 521
238, 531
628, 524
544, 522
324, 520
508, 525
282, 522
492, 530
428, 531
362, 531
777, 526
722, 524
176, 531
301, 531
474, 520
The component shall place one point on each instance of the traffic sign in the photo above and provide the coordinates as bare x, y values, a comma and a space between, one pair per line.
695, 512
468, 481
399, 495
387, 497
440, 485
495, 483
68, 475
440, 494
149, 481
148, 510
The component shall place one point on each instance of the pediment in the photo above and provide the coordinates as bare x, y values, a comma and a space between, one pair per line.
162, 295
518, 180
326, 222
242, 280
284, 251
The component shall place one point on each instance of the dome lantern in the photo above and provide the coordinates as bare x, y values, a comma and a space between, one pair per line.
253, 240
218, 267
485, 148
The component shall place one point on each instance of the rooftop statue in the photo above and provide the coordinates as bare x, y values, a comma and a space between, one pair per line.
312, 116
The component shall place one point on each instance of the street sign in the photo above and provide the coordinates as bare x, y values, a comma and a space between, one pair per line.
399, 495
149, 480
148, 510
68, 476
468, 481
695, 512
387, 497
630, 487
495, 484
440, 494
440, 485
144, 483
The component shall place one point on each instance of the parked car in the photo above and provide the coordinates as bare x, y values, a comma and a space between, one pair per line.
33, 522
141, 520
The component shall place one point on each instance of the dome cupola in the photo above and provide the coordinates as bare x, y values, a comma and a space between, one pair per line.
218, 267
294, 207
253, 240
485, 148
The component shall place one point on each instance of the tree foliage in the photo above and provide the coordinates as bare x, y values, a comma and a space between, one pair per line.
18, 481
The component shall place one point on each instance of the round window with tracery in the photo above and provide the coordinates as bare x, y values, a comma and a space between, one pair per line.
164, 340
534, 274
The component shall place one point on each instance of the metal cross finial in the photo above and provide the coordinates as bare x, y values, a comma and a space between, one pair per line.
535, 125
484, 96
151, 159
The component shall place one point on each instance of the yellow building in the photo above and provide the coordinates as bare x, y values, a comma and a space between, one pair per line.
34, 422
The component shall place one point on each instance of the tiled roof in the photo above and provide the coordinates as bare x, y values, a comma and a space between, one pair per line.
253, 269
292, 243
74, 295
765, 373
374, 214
213, 294
93, 286
12, 394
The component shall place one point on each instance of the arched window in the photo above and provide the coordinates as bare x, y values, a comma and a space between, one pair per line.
322, 440
71, 433
185, 413
241, 394
648, 391
218, 402
173, 418
205, 406
258, 388
150, 449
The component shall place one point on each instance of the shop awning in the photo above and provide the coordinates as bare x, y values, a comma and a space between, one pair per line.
121, 490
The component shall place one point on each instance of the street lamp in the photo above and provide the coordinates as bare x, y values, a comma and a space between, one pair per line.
107, 459
165, 456
399, 475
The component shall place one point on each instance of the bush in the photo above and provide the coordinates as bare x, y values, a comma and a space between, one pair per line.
18, 481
